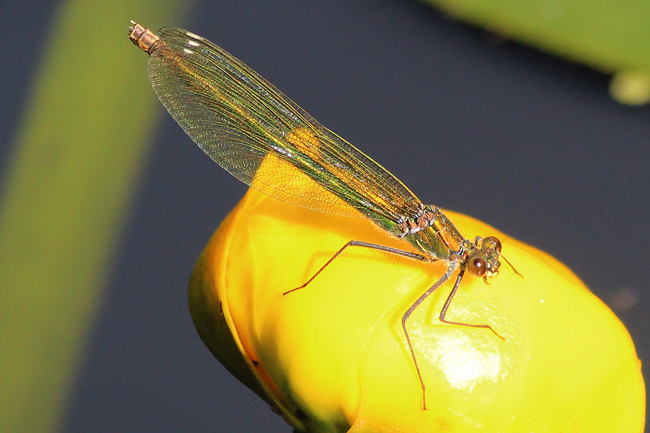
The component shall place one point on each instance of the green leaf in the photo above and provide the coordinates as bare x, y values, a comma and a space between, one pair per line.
612, 36
75, 165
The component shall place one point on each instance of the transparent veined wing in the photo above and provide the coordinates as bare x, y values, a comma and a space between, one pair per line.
238, 119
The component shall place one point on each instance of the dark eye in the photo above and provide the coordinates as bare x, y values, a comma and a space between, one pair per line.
496, 242
477, 267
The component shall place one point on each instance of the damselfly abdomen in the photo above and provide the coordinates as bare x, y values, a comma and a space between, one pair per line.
238, 119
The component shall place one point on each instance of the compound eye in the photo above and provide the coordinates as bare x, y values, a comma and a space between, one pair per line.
496, 242
477, 267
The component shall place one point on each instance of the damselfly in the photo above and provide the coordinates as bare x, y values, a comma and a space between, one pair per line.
238, 118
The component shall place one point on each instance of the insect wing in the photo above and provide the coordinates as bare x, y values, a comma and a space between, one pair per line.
238, 119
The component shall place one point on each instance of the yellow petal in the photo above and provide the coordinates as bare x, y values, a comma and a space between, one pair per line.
333, 357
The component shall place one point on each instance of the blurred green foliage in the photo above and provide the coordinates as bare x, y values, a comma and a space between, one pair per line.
71, 176
612, 36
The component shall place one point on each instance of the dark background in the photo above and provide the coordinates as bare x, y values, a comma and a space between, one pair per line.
524, 141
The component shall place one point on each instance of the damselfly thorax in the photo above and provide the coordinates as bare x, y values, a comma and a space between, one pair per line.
238, 119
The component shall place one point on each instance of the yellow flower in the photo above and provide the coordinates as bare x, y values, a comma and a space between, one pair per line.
332, 356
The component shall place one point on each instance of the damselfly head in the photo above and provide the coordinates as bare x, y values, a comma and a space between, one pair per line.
483, 257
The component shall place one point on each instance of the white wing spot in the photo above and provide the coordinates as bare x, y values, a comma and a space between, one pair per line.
188, 51
193, 43
194, 36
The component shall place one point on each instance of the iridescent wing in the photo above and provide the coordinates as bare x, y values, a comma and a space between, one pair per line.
238, 119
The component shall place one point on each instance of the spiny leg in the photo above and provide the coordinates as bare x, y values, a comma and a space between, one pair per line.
511, 267
452, 267
445, 307
384, 248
